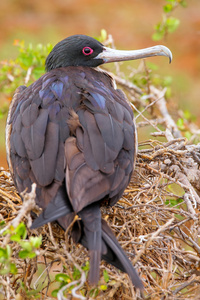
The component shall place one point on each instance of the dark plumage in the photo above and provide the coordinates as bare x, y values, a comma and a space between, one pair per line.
72, 133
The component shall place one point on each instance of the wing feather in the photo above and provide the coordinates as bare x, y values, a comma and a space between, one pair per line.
44, 167
34, 136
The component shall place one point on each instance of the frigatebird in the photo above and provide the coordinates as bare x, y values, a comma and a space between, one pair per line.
72, 133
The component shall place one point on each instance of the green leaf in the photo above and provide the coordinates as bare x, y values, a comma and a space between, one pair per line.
26, 245
54, 293
13, 269
172, 24
36, 241
49, 47
86, 267
106, 276
9, 251
61, 277
158, 35
26, 254
15, 238
96, 292
180, 124
103, 35
188, 135
112, 283
173, 202
2, 223
25, 61
103, 287
21, 230
3, 255
167, 8
76, 274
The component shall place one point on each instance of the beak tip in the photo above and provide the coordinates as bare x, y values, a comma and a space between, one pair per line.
165, 52
168, 53
170, 58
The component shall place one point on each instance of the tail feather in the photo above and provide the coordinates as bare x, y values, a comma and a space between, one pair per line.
91, 218
95, 259
117, 257
58, 207
92, 232
111, 251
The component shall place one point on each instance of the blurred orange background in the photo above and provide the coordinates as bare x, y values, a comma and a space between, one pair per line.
131, 24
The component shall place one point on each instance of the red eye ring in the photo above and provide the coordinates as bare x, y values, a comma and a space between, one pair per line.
87, 51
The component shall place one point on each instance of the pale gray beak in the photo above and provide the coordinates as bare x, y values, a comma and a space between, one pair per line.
111, 55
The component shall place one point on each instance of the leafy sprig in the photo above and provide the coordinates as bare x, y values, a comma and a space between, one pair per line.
168, 24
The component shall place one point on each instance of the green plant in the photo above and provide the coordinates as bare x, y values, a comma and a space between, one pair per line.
25, 69
63, 279
169, 23
27, 247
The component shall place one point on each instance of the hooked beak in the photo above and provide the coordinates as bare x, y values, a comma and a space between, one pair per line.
111, 55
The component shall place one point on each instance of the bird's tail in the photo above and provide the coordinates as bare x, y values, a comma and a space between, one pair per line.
113, 253
58, 207
92, 232
91, 219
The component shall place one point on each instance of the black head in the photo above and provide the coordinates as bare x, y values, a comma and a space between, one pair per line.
76, 50
82, 50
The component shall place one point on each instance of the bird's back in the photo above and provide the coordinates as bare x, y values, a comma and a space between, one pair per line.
72, 125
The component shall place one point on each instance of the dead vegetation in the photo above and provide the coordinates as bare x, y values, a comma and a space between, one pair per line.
156, 221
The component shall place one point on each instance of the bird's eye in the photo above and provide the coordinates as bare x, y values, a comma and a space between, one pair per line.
87, 50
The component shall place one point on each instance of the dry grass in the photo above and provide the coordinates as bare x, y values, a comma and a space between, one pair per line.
161, 240
156, 222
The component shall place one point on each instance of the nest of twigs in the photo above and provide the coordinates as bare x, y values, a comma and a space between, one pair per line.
156, 222
159, 237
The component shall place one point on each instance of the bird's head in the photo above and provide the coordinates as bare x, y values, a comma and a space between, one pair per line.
82, 50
